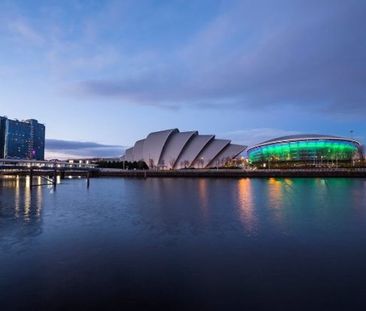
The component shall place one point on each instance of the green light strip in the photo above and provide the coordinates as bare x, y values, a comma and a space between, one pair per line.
304, 150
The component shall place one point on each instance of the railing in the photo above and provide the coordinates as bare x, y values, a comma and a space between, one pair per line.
47, 164
48, 170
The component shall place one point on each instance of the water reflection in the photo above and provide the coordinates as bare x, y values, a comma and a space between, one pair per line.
39, 197
17, 197
322, 189
203, 195
150, 240
282, 198
246, 204
20, 209
27, 198
275, 194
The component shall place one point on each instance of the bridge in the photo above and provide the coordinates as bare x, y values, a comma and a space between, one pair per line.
48, 170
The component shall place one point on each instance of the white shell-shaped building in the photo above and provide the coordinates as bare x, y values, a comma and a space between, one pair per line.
171, 149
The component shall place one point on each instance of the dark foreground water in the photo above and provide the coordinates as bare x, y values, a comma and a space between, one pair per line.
184, 244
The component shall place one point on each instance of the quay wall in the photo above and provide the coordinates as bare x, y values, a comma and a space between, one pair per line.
234, 173
192, 173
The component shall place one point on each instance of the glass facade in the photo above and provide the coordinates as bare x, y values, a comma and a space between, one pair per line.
2, 136
17, 139
21, 139
304, 151
36, 150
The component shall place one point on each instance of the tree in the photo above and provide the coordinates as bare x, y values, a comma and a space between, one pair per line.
172, 162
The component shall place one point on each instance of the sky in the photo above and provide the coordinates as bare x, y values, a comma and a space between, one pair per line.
102, 74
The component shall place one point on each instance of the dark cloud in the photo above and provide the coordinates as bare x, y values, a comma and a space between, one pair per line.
310, 55
72, 149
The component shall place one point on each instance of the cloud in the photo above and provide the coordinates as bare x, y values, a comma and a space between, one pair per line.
258, 55
63, 149
23, 30
251, 137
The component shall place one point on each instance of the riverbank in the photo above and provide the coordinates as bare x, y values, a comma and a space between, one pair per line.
235, 173
193, 173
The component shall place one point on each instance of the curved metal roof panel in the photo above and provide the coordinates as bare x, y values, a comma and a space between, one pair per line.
229, 153
211, 150
192, 150
138, 150
129, 155
174, 147
154, 145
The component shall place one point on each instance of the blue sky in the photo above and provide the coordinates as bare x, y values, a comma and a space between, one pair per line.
102, 74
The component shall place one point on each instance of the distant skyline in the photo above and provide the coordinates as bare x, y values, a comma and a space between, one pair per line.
102, 74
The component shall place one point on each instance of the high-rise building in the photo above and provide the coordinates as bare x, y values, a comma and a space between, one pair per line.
36, 148
2, 136
21, 139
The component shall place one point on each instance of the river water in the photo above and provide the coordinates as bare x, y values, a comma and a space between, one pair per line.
183, 244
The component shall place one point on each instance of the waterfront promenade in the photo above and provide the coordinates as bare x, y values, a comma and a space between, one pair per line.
46, 168
235, 173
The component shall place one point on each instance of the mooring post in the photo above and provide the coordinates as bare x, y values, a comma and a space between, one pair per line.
31, 177
88, 179
54, 180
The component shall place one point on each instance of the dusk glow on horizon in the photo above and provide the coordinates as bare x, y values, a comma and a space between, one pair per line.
103, 74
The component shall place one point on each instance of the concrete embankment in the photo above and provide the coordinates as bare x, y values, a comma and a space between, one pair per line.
234, 173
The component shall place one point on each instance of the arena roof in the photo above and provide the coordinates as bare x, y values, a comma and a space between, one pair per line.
174, 149
303, 137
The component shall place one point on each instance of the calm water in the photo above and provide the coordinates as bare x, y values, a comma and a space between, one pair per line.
187, 244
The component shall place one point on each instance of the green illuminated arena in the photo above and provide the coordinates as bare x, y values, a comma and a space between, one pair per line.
305, 149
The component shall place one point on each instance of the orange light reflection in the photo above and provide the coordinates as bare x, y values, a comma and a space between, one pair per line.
246, 204
275, 195
203, 195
